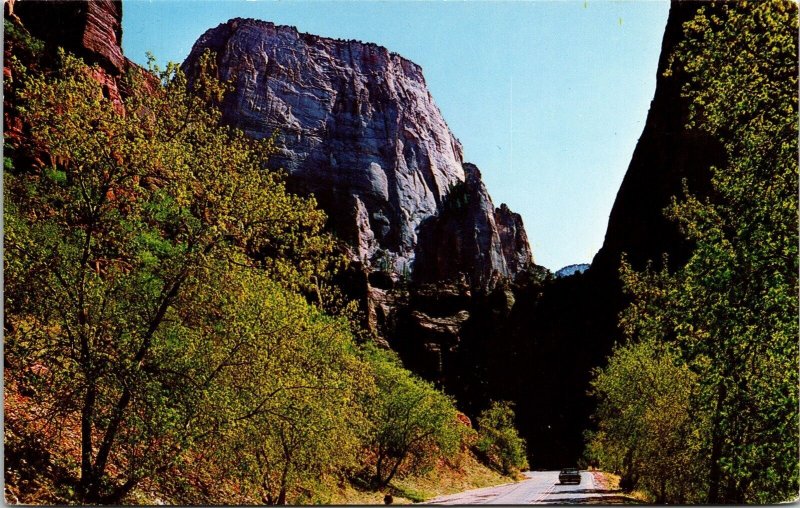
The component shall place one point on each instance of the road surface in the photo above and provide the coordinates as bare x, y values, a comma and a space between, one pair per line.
540, 487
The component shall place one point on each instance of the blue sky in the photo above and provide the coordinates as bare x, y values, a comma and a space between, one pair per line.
547, 97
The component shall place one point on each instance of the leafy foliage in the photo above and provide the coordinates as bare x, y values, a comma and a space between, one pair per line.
498, 439
129, 242
414, 423
730, 315
166, 303
294, 404
646, 420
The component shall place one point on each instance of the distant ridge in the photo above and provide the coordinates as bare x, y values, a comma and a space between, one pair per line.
572, 270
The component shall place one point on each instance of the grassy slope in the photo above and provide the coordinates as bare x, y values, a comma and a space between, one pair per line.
444, 479
610, 481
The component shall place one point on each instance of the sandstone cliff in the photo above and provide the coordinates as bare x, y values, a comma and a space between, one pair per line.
91, 29
359, 129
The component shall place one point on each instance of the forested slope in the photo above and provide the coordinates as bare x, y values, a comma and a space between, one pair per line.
171, 332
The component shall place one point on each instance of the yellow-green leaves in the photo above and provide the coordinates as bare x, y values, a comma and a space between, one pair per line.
646, 423
414, 423
498, 439
150, 247
729, 316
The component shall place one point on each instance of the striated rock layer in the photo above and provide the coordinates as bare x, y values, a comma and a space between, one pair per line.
359, 129
92, 29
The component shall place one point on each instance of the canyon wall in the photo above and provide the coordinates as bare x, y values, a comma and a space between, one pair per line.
358, 128
91, 29
666, 154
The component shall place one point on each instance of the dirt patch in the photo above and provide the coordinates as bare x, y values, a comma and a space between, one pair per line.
607, 484
605, 481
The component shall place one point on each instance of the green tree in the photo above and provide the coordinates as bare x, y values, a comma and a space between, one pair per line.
498, 439
646, 422
122, 226
738, 293
294, 404
730, 313
414, 423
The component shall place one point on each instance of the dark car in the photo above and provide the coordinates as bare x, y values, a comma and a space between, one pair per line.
569, 475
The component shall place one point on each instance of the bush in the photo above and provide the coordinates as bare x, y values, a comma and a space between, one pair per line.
415, 424
498, 441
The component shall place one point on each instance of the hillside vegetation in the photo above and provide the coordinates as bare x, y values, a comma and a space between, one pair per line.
700, 404
171, 334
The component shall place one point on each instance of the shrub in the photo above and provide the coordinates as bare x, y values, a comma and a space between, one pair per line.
498, 441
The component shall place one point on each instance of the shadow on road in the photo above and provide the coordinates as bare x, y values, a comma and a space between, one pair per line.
615, 499
590, 496
592, 491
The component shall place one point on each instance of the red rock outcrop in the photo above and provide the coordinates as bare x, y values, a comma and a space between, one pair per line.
91, 29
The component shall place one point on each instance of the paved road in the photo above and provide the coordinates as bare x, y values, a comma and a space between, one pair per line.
540, 487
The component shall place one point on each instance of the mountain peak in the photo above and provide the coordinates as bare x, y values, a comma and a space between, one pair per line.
359, 130
571, 270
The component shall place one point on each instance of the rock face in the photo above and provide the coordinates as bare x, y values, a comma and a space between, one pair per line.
667, 153
470, 236
428, 329
92, 29
358, 129
513, 239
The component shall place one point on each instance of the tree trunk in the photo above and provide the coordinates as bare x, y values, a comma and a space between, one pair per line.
378, 472
287, 463
395, 467
98, 469
628, 481
87, 412
119, 492
717, 438
111, 431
